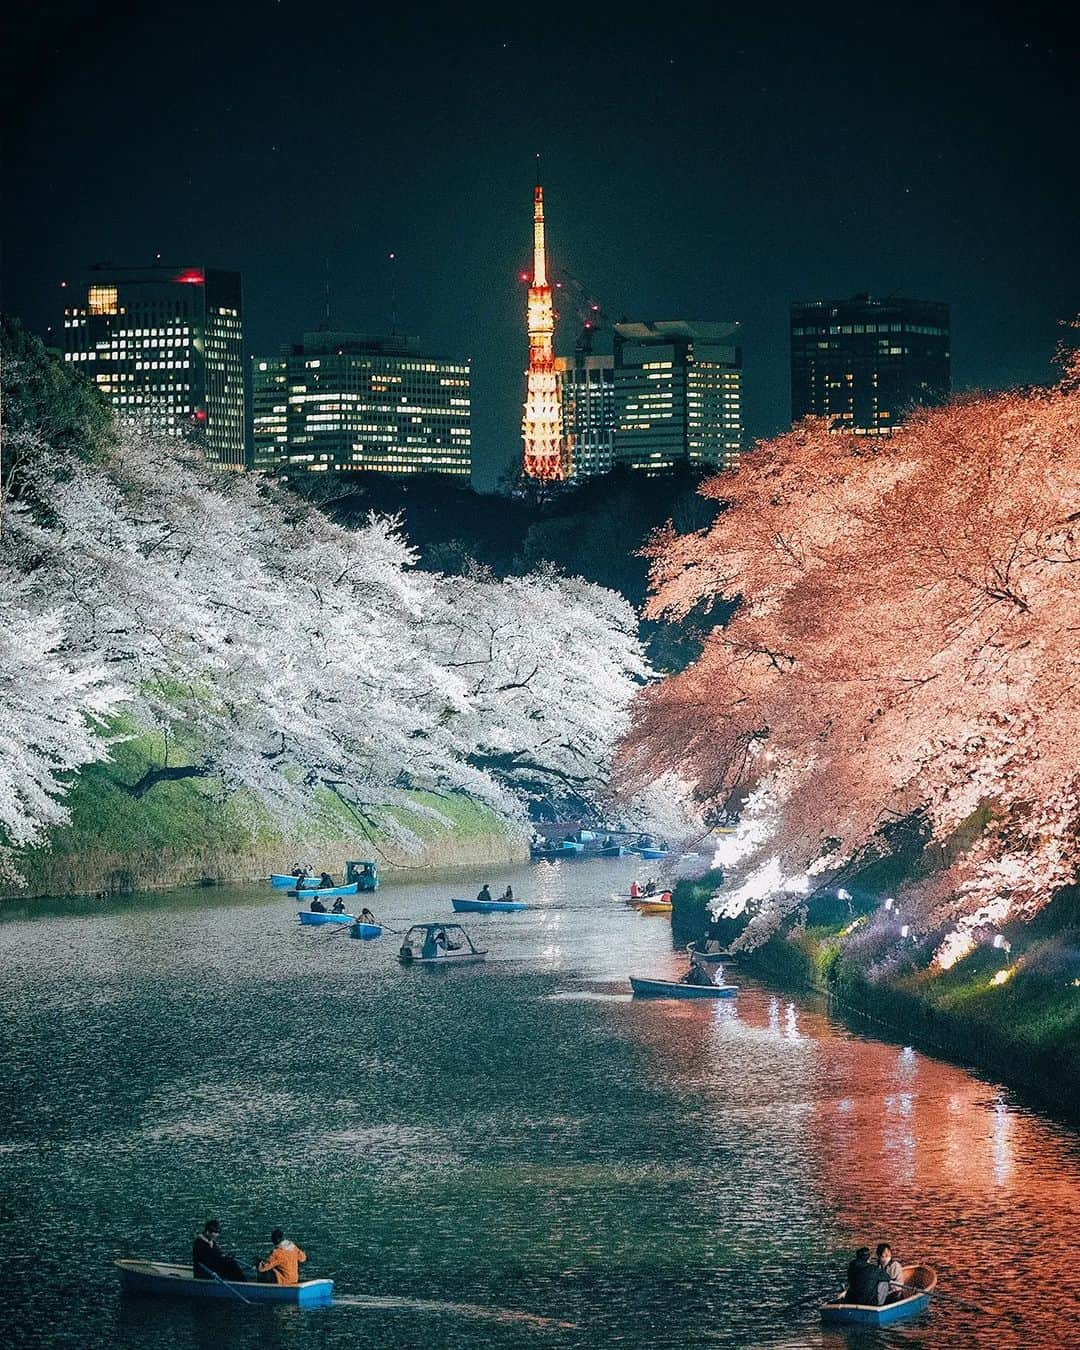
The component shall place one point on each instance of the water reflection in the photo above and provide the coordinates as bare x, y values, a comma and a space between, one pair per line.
519, 1137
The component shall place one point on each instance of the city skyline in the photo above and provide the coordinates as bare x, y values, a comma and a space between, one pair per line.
778, 185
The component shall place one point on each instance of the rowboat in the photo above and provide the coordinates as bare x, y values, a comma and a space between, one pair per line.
165, 1277
423, 946
488, 906
653, 853
920, 1279
307, 916
323, 891
676, 989
612, 851
652, 906
703, 957
365, 930
303, 883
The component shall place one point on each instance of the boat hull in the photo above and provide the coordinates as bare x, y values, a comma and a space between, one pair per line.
653, 854
293, 883
675, 989
309, 892
923, 1279
488, 906
165, 1278
451, 959
366, 931
310, 919
652, 906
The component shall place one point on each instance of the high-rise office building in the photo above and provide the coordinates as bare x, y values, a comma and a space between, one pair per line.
586, 386
165, 345
863, 363
678, 394
341, 402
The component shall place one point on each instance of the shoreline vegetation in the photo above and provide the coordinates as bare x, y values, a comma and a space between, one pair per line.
187, 832
1012, 1012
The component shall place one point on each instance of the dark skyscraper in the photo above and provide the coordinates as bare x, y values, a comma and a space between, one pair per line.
863, 363
165, 345
678, 394
340, 402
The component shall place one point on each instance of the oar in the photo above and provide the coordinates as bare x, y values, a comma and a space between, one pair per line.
937, 1292
226, 1283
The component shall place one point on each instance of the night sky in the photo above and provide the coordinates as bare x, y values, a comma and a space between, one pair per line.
697, 164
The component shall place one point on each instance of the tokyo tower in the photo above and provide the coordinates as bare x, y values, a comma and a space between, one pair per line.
547, 452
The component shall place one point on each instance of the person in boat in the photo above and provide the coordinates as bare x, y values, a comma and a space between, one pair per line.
317, 906
366, 916
664, 897
696, 975
207, 1258
326, 880
863, 1276
650, 886
635, 891
338, 906
485, 893
608, 842
300, 873
282, 1266
508, 894
890, 1285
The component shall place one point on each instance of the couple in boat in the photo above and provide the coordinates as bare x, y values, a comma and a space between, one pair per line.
485, 893
875, 1282
208, 1260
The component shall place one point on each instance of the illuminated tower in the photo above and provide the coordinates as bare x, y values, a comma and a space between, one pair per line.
547, 453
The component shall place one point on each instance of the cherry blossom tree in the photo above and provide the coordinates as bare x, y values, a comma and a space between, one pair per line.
290, 657
52, 715
906, 643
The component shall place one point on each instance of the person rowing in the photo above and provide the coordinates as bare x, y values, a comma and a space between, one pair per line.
366, 916
485, 894
317, 906
208, 1260
326, 881
863, 1276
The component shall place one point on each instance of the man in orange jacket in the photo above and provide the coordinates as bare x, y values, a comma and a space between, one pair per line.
282, 1266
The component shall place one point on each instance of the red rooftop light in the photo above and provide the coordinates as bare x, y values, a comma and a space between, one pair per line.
191, 276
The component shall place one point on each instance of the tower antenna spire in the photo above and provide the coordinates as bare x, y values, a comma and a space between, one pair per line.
547, 450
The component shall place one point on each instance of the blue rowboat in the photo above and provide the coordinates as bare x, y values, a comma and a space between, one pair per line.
366, 930
323, 891
488, 906
676, 989
921, 1280
612, 851
307, 916
703, 957
653, 853
303, 883
164, 1277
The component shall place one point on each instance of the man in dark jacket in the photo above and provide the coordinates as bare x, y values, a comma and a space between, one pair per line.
862, 1279
207, 1258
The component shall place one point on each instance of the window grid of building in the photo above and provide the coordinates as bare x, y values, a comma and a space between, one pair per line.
165, 346
864, 363
341, 402
587, 396
677, 395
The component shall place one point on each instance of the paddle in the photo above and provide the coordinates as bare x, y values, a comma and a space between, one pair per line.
226, 1283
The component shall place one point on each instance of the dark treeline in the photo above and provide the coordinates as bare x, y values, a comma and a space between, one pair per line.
596, 530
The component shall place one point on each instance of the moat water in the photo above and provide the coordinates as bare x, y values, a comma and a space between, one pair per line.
507, 1154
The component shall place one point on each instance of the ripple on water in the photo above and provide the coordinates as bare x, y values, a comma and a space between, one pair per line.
499, 1155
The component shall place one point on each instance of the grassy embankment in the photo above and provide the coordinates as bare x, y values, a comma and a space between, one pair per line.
1014, 1013
187, 831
